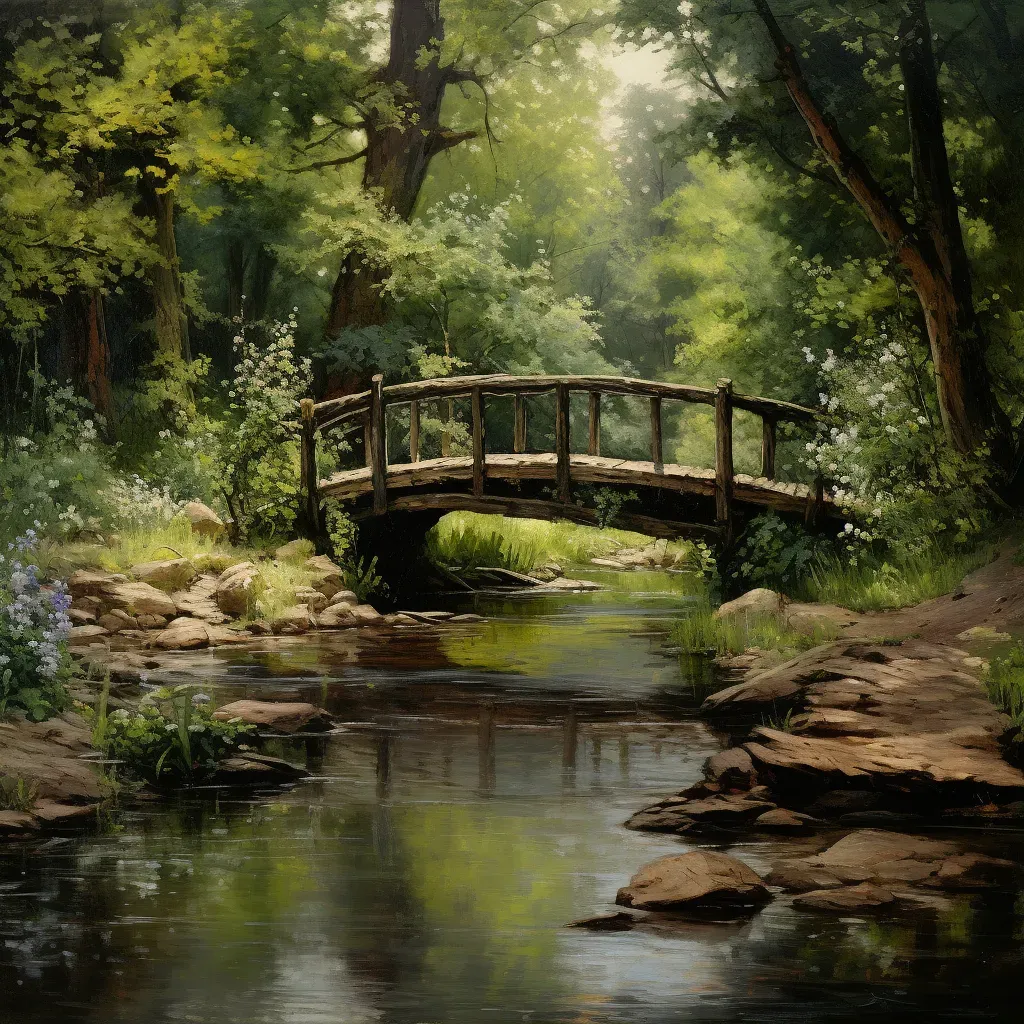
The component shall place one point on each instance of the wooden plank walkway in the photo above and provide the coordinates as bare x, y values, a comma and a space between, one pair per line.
588, 469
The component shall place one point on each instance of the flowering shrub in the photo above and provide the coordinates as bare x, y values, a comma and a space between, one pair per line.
776, 554
259, 455
886, 454
171, 738
34, 628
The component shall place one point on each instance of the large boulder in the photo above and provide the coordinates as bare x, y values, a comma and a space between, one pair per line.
328, 577
92, 582
696, 881
295, 619
183, 634
281, 716
754, 604
138, 599
199, 600
203, 520
167, 574
337, 616
366, 615
892, 858
236, 588
117, 620
82, 636
346, 597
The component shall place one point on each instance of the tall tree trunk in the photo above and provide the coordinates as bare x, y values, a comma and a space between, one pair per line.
235, 278
399, 154
262, 280
165, 281
932, 253
86, 352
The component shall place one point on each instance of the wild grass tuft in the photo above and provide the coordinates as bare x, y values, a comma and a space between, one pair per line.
16, 794
1005, 682
701, 633
895, 583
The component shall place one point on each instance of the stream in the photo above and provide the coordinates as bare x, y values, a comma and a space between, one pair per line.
425, 873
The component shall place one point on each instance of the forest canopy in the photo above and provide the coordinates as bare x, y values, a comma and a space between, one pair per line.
209, 210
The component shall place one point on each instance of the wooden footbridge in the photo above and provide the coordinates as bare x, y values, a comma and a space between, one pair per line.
671, 500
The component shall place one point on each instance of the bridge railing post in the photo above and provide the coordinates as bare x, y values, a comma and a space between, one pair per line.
478, 442
657, 453
768, 447
594, 446
308, 482
519, 424
723, 458
563, 472
378, 445
414, 430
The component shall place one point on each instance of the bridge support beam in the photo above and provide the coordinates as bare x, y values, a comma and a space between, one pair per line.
378, 445
563, 472
308, 478
723, 460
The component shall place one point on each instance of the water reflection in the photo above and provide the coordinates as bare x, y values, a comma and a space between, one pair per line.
425, 873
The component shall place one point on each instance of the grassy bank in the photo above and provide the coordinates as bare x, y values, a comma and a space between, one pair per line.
470, 540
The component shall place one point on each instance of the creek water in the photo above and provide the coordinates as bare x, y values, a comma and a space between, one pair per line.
425, 874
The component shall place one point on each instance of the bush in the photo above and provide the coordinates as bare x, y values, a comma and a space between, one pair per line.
1005, 682
34, 629
259, 453
776, 554
172, 738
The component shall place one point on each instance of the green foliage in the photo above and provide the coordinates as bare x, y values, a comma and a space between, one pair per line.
608, 503
259, 455
700, 632
776, 554
898, 580
1005, 683
172, 738
466, 549
362, 578
16, 794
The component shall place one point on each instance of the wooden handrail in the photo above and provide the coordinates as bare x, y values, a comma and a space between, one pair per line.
335, 410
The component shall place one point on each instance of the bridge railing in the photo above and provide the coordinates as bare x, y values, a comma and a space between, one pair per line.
366, 411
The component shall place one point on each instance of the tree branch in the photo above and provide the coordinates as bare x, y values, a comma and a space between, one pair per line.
337, 162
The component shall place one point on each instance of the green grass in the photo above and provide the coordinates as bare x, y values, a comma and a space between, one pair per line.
897, 583
1005, 682
176, 540
471, 540
701, 633
16, 794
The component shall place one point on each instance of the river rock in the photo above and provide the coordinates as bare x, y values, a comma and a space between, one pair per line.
400, 619
700, 880
116, 620
151, 621
203, 520
343, 597
16, 823
81, 616
138, 598
312, 599
622, 921
759, 603
428, 618
295, 619
250, 769
183, 634
781, 820
337, 616
82, 636
366, 615
703, 807
731, 768
285, 717
846, 899
168, 574
294, 550
887, 858
199, 600
562, 585
821, 618
92, 582
328, 577
235, 587
48, 756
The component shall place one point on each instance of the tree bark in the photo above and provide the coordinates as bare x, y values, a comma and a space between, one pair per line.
165, 281
398, 150
262, 280
86, 352
931, 253
235, 278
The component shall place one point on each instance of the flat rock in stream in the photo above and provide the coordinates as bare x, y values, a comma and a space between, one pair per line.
281, 716
846, 899
251, 769
893, 859
701, 880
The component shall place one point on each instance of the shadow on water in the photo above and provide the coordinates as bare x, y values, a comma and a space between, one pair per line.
424, 874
